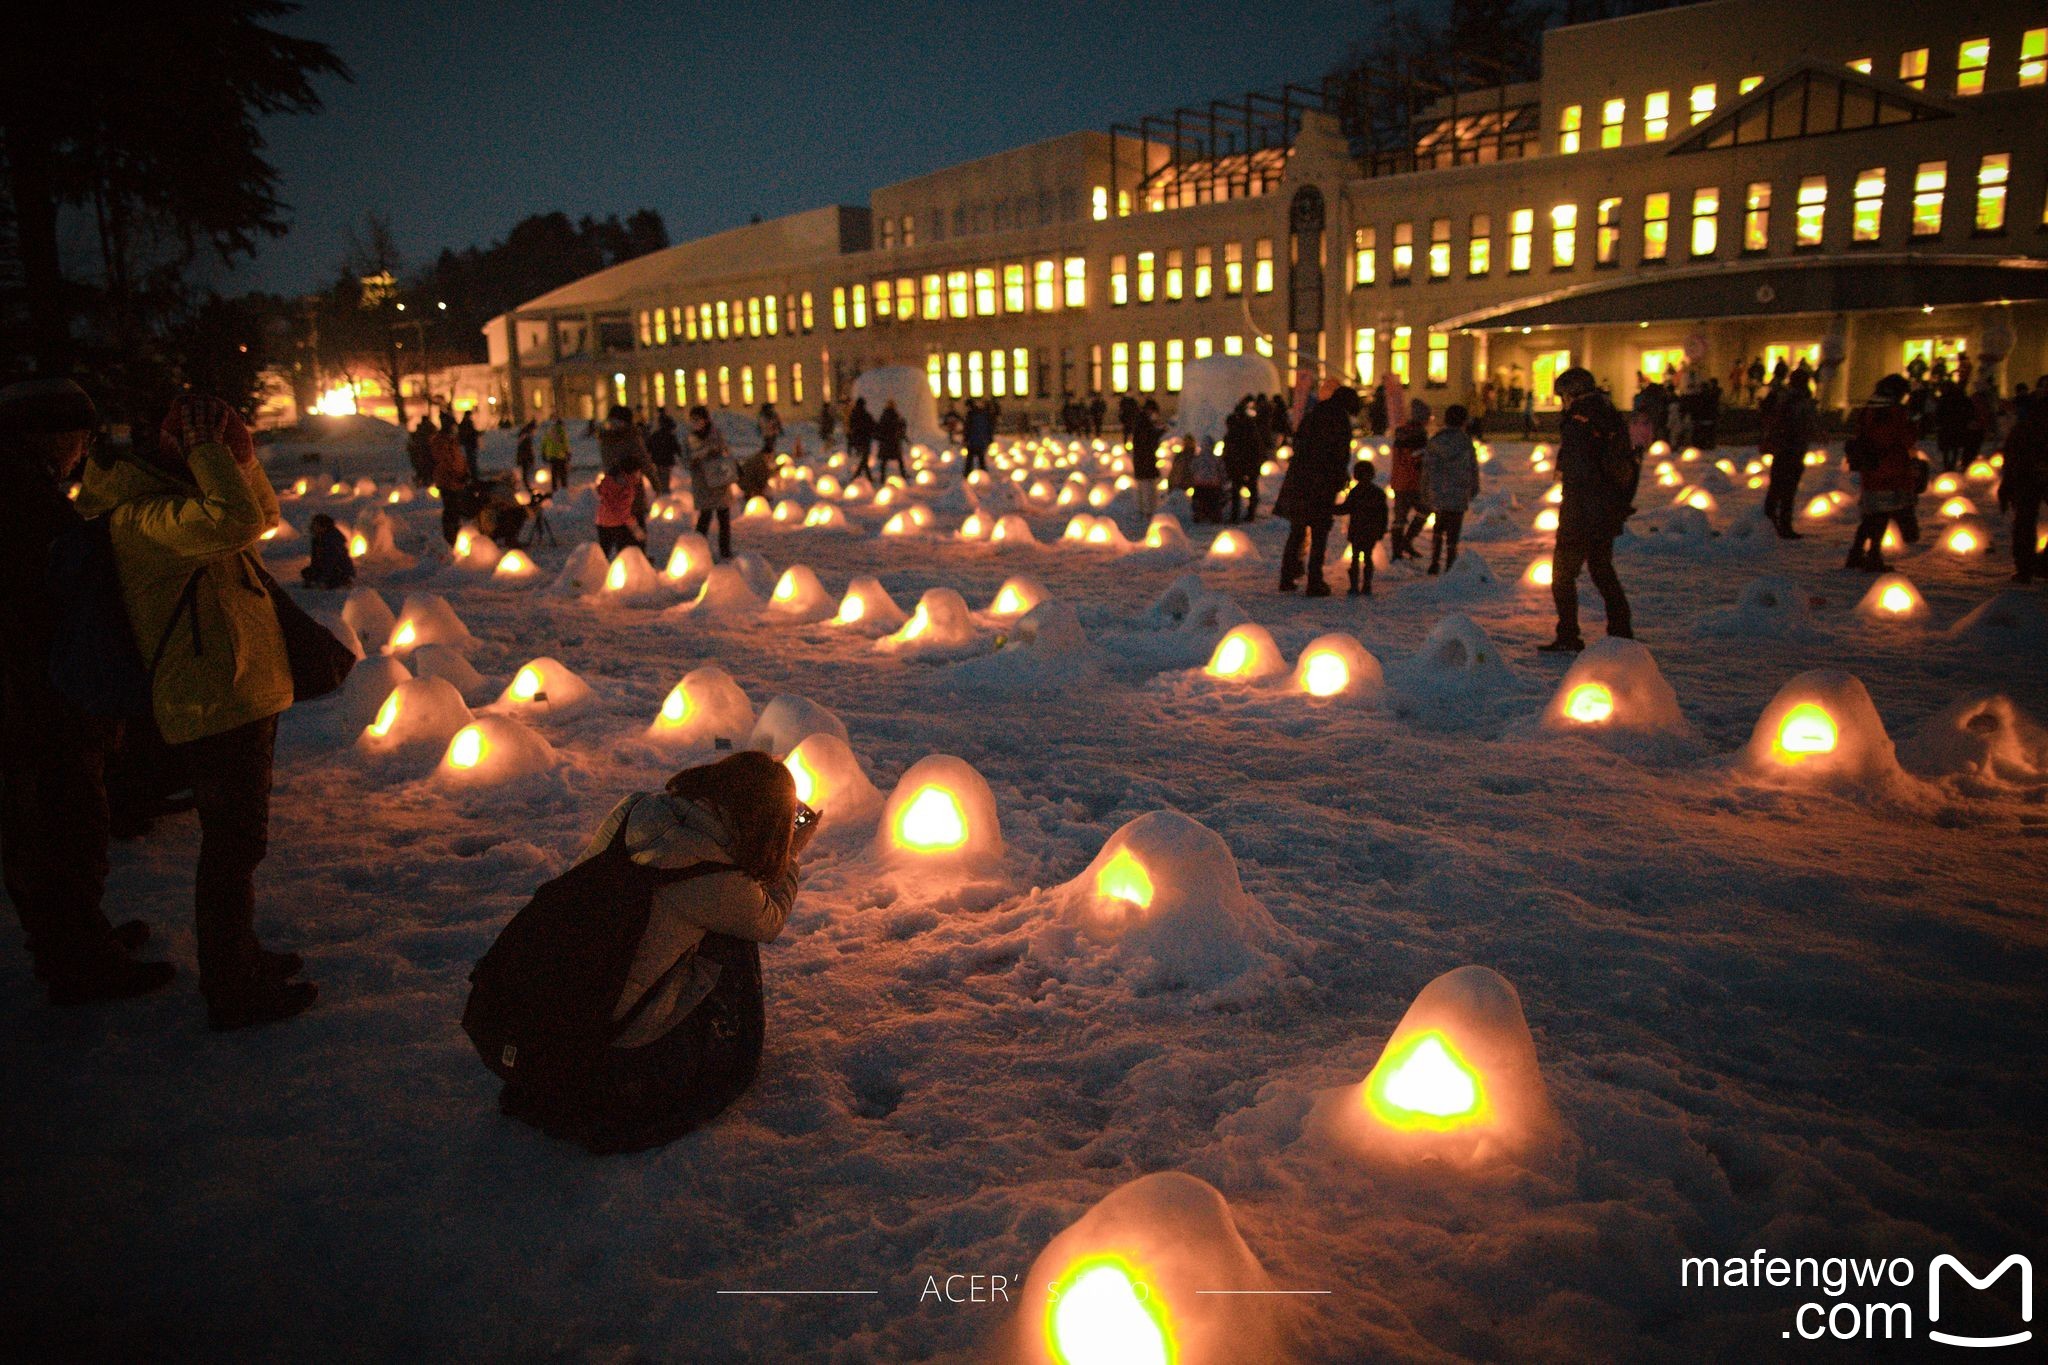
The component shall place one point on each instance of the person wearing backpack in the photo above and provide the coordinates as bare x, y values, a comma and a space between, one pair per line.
623, 1006
186, 522
1598, 467
53, 797
713, 472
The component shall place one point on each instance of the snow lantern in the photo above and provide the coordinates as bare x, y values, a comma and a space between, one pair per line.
1985, 740
1981, 471
427, 619
2012, 622
1614, 685
422, 710
374, 542
1105, 534
544, 686
1246, 653
1013, 531
282, 531
583, 573
788, 512
1164, 534
941, 813
824, 516
1078, 527
1546, 520
1337, 665
1893, 598
368, 684
475, 550
799, 596
725, 593
900, 524
1017, 596
975, 527
339, 629
1966, 538
688, 560
443, 661
1958, 506
630, 575
1945, 484
829, 778
787, 721
493, 749
868, 607
1458, 1081
1822, 726
829, 487
757, 508
705, 707
516, 567
1234, 546
369, 615
1457, 646
1154, 1274
1538, 575
941, 621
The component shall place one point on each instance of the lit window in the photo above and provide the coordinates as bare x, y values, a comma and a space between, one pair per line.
1397, 355
660, 389
1568, 125
1119, 281
1809, 215
1013, 289
888, 233
1656, 225
1706, 221
807, 310
935, 372
1020, 371
1100, 203
906, 299
1262, 267
860, 310
910, 229
1263, 345
1045, 286
1205, 271
725, 386
985, 291
1439, 248
1147, 267
1913, 68
796, 382
1656, 115
1612, 114
1402, 261
959, 289
838, 310
885, 299
1095, 369
1437, 361
725, 319
1866, 215
1204, 347
747, 385
682, 387
1364, 349
1756, 216
1176, 279
1930, 182
1991, 177
1233, 268
771, 315
1233, 345
998, 375
1176, 364
1972, 56
1701, 102
703, 386
1123, 203
1120, 366
1564, 236
768, 382
954, 388
1148, 366
2034, 57
1748, 83
1860, 64
646, 328
1521, 233
661, 327
1607, 240
1365, 266
1076, 277
1479, 250
690, 322
974, 387
932, 290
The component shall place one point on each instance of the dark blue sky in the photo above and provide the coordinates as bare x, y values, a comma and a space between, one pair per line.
465, 117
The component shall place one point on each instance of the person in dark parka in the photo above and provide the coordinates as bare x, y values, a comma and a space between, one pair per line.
1308, 494
2024, 484
1243, 452
860, 438
1597, 493
1366, 506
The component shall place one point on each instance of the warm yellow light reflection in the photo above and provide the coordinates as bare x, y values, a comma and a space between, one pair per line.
851, 609
1324, 673
1103, 1313
1805, 731
785, 587
387, 716
358, 546
1896, 599
615, 577
1546, 520
1425, 1084
1124, 878
676, 708
466, 750
1589, 703
405, 636
528, 685
1962, 540
805, 778
932, 821
1233, 657
515, 564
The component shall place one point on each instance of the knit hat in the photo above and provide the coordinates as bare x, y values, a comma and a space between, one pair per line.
45, 406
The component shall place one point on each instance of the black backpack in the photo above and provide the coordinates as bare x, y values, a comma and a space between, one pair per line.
541, 1000
94, 661
1621, 464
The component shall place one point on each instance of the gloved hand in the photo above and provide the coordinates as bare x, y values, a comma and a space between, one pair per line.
199, 419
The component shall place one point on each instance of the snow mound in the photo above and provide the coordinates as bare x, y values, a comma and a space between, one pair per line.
726, 593
493, 750
420, 711
975, 527
1212, 386
1491, 525
940, 625
475, 551
1052, 627
1456, 656
1154, 1273
543, 687
338, 627
1018, 595
912, 393
1614, 686
705, 707
787, 721
868, 608
758, 574
1469, 579
1013, 532
799, 596
1337, 665
2012, 622
1985, 742
370, 616
1190, 605
427, 619
369, 683
940, 817
1233, 547
1458, 1084
1100, 533
824, 516
830, 779
1167, 539
630, 577
1893, 599
1245, 654
515, 567
582, 573
689, 559
1821, 729
441, 661
1771, 607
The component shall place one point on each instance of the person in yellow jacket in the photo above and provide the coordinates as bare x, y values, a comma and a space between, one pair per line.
185, 523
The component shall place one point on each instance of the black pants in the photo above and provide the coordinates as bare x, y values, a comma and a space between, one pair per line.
560, 471
1781, 499
1312, 534
882, 463
2026, 537
1868, 547
1444, 543
612, 539
1360, 568
1577, 550
1244, 493
1409, 515
977, 458
724, 515
231, 775
866, 450
53, 848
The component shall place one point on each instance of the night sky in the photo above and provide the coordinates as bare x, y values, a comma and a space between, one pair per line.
464, 118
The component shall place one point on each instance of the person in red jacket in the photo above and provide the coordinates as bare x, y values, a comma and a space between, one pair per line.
1884, 453
451, 477
1404, 480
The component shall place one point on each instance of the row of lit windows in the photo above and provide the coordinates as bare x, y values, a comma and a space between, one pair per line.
761, 315
1140, 367
1436, 356
1165, 275
971, 374
658, 392
1973, 60
1929, 192
1043, 286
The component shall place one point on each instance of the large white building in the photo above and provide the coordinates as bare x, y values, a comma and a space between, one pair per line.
1711, 184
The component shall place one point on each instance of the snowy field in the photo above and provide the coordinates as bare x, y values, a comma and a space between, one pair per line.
1774, 1006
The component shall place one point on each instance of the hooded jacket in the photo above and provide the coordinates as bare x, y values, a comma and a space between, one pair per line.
1320, 467
223, 663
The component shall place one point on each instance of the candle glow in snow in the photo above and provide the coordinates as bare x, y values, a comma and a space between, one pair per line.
493, 749
941, 812
940, 622
543, 686
689, 559
1246, 653
1232, 545
829, 778
369, 615
1892, 598
419, 711
427, 619
799, 596
1614, 685
867, 607
630, 574
786, 721
1017, 596
1337, 665
705, 707
515, 566
1821, 728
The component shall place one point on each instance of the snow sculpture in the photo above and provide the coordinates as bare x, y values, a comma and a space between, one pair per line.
1771, 606
825, 516
369, 683
786, 721
799, 596
1821, 728
2013, 623
725, 593
941, 622
912, 394
630, 576
515, 567
868, 608
1337, 665
1212, 386
427, 619
494, 749
1164, 535
940, 815
1246, 653
1234, 547
975, 527
370, 616
1893, 598
440, 661
1017, 596
475, 551
420, 711
543, 687
1985, 740
1013, 532
705, 707
583, 573
1614, 685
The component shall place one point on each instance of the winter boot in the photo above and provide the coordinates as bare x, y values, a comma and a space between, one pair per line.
262, 1002
1562, 645
1316, 588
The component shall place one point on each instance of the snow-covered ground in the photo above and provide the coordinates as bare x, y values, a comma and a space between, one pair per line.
1806, 1017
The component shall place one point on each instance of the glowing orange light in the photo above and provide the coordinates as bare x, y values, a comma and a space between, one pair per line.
1546, 520
527, 684
1124, 878
1102, 1312
466, 750
920, 622
359, 546
851, 609
1589, 703
464, 542
1425, 1084
785, 587
932, 821
1233, 656
676, 707
1229, 544
1958, 507
515, 565
1962, 540
405, 636
615, 577
1539, 573
1324, 673
1896, 599
387, 716
805, 778
1806, 731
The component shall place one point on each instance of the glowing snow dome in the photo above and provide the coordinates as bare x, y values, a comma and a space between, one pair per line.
427, 619
941, 623
705, 707
800, 597
868, 609
830, 779
493, 750
689, 560
1154, 1274
369, 616
582, 573
543, 687
1245, 654
786, 721
1018, 595
421, 711
441, 661
1233, 547
1614, 685
1166, 538
725, 594
1821, 729
630, 577
1893, 599
1337, 665
941, 814
368, 684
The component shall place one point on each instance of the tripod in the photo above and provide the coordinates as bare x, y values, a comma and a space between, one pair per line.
543, 533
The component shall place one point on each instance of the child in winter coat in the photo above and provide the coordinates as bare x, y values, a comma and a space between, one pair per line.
1366, 504
1410, 509
332, 566
1450, 480
618, 508
1206, 471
